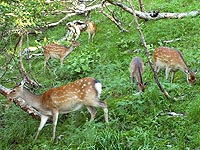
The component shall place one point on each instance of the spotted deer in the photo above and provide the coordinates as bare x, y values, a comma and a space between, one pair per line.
76, 27
172, 60
137, 69
91, 29
63, 99
58, 51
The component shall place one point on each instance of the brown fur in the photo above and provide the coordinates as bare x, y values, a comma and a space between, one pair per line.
64, 99
58, 51
172, 60
137, 69
91, 29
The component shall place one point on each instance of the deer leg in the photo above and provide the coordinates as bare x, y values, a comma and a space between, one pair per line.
93, 36
42, 123
55, 120
173, 74
103, 105
167, 72
45, 60
92, 112
61, 61
89, 37
156, 68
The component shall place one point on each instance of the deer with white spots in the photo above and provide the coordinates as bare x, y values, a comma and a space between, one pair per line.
64, 99
58, 51
172, 60
76, 27
137, 69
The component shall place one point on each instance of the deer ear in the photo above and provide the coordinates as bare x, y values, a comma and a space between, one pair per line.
22, 82
195, 71
186, 71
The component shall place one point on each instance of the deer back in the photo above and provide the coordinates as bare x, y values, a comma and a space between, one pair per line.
54, 50
68, 97
165, 56
59, 51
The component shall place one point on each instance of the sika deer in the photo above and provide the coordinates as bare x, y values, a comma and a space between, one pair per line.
137, 69
64, 99
76, 27
58, 51
91, 29
172, 60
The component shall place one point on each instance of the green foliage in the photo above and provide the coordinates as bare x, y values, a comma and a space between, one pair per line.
133, 124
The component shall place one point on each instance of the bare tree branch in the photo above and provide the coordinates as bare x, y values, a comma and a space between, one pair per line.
149, 16
141, 3
22, 64
148, 54
113, 19
73, 13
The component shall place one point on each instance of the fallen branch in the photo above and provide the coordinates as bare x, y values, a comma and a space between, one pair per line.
73, 13
148, 16
173, 114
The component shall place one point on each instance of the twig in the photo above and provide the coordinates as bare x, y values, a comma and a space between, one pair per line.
173, 114
111, 17
22, 65
170, 41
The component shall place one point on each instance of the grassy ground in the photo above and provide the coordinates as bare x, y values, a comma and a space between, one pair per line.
133, 124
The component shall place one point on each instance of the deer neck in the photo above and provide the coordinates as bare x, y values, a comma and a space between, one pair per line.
183, 66
139, 75
69, 50
31, 99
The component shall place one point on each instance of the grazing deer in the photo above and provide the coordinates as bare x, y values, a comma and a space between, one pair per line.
58, 51
137, 69
172, 60
64, 99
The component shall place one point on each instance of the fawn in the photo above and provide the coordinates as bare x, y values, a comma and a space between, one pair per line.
64, 99
137, 69
58, 51
91, 29
172, 60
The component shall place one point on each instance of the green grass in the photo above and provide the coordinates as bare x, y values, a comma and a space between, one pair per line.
133, 124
